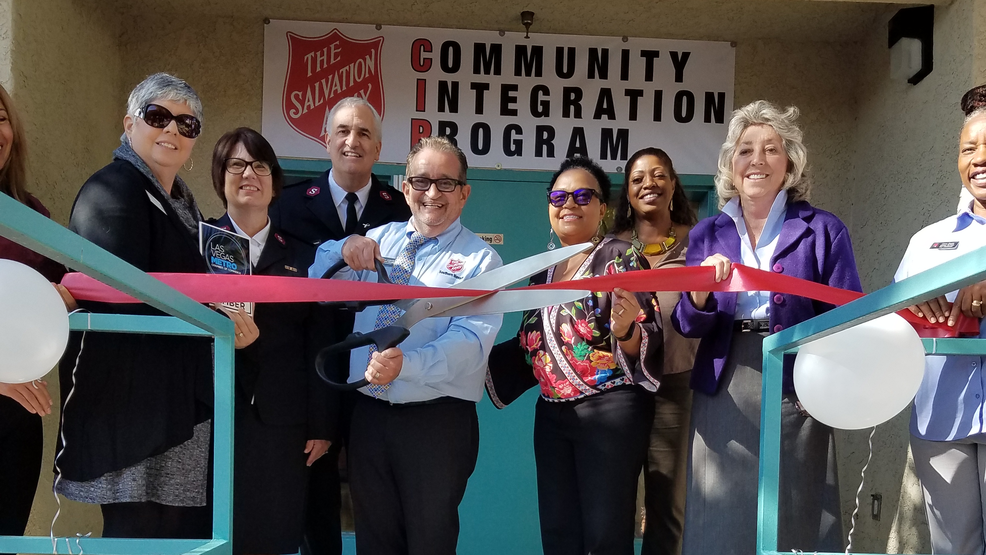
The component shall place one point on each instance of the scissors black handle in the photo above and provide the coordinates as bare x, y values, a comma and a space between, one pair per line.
357, 306
383, 338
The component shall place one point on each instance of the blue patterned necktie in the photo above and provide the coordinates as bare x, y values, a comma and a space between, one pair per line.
400, 275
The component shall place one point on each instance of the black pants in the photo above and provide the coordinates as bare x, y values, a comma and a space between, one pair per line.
154, 520
665, 475
21, 447
323, 525
589, 454
408, 471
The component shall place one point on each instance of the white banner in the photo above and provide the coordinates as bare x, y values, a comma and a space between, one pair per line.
507, 101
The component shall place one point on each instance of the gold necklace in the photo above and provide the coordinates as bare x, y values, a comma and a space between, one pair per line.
652, 249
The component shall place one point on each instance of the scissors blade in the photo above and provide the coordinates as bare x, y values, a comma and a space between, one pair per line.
515, 301
509, 274
504, 276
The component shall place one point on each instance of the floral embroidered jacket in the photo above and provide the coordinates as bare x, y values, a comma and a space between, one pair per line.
570, 347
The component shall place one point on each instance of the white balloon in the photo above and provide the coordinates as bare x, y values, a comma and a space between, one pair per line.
862, 376
33, 324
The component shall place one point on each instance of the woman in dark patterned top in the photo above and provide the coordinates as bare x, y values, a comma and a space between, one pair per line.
592, 422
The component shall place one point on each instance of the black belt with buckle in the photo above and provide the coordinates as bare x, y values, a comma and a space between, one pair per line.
757, 325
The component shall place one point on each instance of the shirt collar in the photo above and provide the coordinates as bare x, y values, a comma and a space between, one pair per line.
443, 238
257, 242
966, 217
777, 209
339, 194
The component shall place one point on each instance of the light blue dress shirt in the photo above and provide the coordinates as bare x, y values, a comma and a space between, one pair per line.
442, 356
756, 304
949, 404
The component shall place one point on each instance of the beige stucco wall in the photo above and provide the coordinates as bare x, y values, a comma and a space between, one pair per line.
882, 153
66, 75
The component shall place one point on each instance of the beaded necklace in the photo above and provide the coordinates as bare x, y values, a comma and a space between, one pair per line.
652, 249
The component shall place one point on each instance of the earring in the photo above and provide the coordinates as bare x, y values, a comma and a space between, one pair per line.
551, 239
671, 205
630, 211
191, 164
600, 231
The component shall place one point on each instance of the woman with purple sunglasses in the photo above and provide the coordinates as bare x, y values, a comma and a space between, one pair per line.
137, 408
592, 421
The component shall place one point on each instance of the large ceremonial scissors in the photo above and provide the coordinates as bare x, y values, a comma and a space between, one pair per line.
497, 301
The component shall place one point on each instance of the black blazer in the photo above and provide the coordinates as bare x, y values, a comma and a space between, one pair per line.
276, 373
135, 395
306, 212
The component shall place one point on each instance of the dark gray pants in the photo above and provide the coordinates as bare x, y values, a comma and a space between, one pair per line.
721, 509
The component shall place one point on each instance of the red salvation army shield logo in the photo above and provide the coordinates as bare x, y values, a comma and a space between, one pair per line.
455, 265
324, 70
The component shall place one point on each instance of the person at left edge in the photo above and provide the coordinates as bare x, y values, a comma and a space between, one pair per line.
280, 418
22, 404
315, 211
415, 433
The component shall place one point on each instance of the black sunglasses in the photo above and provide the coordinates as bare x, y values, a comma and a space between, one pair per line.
582, 197
444, 184
160, 117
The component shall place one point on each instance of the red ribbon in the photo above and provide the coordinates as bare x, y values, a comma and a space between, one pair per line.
209, 288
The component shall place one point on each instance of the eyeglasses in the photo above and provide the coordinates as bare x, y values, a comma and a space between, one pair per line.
160, 117
237, 166
582, 197
444, 184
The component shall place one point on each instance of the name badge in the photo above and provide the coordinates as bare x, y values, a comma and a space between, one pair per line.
945, 245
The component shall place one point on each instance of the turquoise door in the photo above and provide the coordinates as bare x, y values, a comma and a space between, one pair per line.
499, 512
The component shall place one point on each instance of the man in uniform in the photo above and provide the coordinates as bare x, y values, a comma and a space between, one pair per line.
346, 200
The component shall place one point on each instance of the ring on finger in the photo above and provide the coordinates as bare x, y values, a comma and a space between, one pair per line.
977, 303
240, 334
620, 313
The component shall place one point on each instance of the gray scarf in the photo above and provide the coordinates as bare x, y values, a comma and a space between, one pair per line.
181, 198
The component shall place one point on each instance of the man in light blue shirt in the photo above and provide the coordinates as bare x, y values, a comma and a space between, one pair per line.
415, 432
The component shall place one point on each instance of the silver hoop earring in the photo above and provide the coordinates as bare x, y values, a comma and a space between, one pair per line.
191, 164
551, 239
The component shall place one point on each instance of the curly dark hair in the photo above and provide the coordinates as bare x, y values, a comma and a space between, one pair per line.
974, 100
594, 169
682, 212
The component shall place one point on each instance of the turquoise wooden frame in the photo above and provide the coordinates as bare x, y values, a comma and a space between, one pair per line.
25, 226
964, 270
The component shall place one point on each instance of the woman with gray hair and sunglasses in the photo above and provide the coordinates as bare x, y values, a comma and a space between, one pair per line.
767, 223
137, 408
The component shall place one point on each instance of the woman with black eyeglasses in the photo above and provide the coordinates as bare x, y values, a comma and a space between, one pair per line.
592, 421
281, 422
137, 408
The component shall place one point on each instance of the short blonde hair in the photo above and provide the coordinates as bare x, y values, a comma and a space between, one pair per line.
761, 112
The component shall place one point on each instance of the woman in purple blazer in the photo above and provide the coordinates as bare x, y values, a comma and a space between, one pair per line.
767, 223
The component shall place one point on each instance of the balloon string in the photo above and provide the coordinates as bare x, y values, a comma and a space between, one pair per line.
58, 471
862, 479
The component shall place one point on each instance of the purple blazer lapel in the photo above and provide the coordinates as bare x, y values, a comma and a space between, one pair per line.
727, 239
727, 243
795, 227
